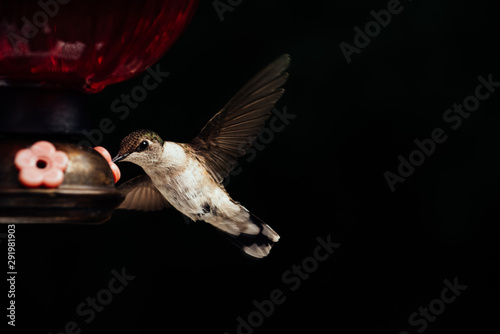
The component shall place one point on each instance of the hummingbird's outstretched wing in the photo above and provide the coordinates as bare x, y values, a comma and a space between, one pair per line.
233, 129
141, 194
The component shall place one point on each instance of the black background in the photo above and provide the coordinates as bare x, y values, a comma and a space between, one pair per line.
323, 175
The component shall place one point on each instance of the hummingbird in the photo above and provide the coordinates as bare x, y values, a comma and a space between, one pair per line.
189, 176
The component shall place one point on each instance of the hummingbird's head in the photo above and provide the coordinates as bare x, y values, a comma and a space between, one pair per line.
141, 147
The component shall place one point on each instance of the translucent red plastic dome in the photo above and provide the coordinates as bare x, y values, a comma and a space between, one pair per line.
86, 45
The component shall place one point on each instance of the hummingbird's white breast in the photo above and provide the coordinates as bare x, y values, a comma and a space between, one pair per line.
186, 184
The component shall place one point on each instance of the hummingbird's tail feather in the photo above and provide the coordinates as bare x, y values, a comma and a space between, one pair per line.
256, 244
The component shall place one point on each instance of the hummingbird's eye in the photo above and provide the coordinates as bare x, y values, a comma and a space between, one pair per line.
142, 146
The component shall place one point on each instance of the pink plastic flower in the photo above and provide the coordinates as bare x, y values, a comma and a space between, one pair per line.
114, 168
40, 165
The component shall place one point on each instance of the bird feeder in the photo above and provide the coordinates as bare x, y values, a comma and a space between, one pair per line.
52, 55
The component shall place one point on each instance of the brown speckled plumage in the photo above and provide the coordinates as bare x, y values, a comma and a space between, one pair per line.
130, 143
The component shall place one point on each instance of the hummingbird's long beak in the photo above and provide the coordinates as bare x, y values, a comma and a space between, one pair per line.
120, 157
